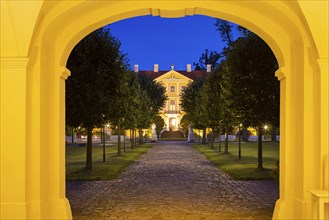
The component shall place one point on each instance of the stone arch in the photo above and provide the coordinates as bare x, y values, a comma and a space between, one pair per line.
62, 24
277, 34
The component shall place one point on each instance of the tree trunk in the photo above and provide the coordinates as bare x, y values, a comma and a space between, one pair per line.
212, 138
140, 136
220, 143
199, 137
89, 148
130, 135
208, 141
101, 135
226, 140
204, 136
260, 147
132, 138
135, 137
119, 140
124, 140
273, 135
244, 134
72, 135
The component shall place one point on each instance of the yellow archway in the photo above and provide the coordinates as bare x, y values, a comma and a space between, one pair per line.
38, 36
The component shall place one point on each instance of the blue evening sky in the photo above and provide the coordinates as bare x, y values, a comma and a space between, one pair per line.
152, 40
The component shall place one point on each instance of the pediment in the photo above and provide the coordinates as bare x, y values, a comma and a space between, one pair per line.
172, 75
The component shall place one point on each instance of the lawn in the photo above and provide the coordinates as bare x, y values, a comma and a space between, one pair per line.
246, 168
111, 169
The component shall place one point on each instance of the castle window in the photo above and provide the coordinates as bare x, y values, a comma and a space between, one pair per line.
172, 88
172, 105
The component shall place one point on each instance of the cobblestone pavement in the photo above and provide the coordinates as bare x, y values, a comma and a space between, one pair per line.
172, 181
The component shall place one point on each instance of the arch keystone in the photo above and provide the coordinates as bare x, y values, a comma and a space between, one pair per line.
155, 12
175, 13
190, 11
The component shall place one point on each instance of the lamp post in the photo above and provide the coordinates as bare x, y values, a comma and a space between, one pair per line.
240, 125
265, 129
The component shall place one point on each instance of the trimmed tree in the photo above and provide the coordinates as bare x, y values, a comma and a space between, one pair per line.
92, 62
155, 101
253, 89
190, 100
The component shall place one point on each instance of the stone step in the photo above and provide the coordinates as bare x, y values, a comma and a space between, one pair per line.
172, 134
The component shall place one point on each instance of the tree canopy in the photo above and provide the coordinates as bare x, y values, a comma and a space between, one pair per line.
241, 88
102, 89
94, 62
207, 57
254, 92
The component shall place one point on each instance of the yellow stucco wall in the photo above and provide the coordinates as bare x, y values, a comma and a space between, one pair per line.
37, 37
173, 78
177, 80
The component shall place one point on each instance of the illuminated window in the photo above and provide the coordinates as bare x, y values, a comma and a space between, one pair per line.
172, 88
172, 104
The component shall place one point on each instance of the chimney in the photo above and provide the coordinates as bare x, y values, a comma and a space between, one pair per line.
189, 68
156, 68
136, 68
208, 68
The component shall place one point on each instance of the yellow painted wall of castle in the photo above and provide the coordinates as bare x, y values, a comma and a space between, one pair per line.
174, 82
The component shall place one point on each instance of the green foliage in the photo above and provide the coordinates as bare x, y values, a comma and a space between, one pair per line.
136, 103
95, 63
101, 89
92, 63
189, 103
211, 102
159, 123
184, 124
155, 91
253, 90
225, 30
69, 130
249, 86
128, 104
125, 99
208, 57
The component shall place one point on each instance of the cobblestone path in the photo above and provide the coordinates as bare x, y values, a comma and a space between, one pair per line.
172, 181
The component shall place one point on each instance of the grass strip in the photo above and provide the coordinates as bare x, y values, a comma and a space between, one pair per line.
246, 168
111, 169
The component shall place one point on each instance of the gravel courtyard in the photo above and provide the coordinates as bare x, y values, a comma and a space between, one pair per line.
172, 181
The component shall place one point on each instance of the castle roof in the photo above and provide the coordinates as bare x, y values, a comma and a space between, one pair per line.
194, 75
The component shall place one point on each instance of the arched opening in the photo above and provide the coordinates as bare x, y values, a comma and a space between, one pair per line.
172, 123
66, 23
172, 105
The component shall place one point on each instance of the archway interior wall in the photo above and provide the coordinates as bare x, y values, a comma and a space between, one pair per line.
63, 24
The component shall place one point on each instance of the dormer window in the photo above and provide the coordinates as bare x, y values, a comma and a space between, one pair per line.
172, 88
